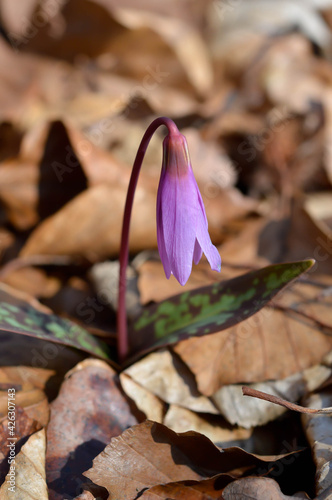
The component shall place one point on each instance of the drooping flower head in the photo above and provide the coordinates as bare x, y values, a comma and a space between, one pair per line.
182, 227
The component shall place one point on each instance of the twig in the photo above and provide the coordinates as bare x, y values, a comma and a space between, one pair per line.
248, 391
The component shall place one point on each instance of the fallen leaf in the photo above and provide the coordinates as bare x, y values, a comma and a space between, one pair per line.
24, 352
31, 186
207, 489
167, 377
19, 317
19, 88
260, 488
24, 375
14, 20
152, 407
90, 225
27, 478
33, 281
252, 351
184, 40
154, 288
180, 419
318, 432
89, 410
68, 39
29, 384
308, 235
24, 427
250, 412
150, 454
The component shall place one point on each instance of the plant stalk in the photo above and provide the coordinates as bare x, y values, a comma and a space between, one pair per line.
122, 329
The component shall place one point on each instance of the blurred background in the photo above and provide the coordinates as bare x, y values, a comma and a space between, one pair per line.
248, 83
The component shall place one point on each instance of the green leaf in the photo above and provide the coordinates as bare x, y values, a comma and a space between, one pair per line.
210, 309
18, 316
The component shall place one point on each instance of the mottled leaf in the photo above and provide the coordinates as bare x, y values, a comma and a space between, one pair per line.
212, 308
18, 316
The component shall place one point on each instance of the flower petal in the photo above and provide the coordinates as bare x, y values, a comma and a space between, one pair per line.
206, 245
178, 224
198, 252
160, 231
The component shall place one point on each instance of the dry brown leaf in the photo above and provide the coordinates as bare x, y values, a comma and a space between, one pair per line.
90, 225
152, 407
24, 427
260, 488
270, 345
33, 281
290, 62
318, 432
184, 40
153, 285
99, 165
29, 471
167, 377
24, 377
328, 149
14, 20
308, 235
244, 248
250, 412
33, 401
150, 454
208, 489
176, 9
31, 186
214, 171
28, 383
133, 51
18, 82
19, 192
146, 460
215, 428
88, 411
66, 39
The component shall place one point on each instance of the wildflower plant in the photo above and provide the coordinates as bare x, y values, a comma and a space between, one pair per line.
182, 235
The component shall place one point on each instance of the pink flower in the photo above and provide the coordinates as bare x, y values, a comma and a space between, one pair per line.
182, 228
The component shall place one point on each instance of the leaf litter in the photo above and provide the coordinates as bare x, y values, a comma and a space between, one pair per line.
82, 80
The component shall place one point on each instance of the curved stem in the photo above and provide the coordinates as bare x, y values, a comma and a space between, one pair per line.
123, 346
